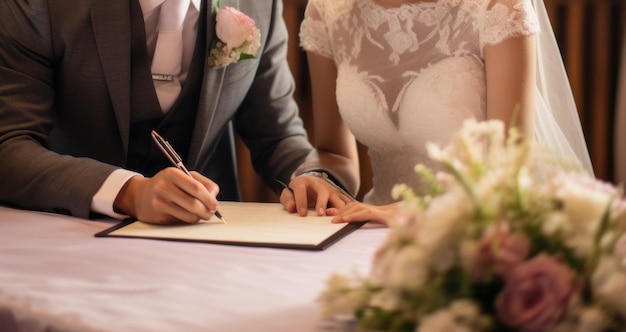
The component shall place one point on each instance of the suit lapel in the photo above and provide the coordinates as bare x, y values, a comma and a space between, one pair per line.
111, 20
111, 24
213, 78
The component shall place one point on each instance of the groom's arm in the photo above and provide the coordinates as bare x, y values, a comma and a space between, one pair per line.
33, 176
268, 121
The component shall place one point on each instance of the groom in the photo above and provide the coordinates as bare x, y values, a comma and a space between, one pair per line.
79, 98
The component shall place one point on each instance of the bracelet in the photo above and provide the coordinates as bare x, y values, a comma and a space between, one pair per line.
317, 174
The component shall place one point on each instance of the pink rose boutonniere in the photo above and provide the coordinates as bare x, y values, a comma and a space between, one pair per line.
238, 38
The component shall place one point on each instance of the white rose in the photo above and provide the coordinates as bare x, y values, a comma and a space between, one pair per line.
585, 200
584, 203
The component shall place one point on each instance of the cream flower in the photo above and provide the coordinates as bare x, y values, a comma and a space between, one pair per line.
584, 199
407, 269
341, 297
584, 202
442, 321
609, 285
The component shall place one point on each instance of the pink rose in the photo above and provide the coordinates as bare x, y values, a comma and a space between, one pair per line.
502, 250
536, 294
234, 27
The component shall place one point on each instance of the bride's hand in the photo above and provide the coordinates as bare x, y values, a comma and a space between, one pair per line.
357, 212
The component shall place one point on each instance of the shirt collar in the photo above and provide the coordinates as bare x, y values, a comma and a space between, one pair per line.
149, 5
197, 3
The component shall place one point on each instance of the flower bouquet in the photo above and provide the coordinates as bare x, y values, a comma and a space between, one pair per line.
500, 242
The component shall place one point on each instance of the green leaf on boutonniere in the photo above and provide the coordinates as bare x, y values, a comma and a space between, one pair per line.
217, 7
244, 56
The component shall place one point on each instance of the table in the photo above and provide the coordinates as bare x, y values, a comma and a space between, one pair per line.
56, 276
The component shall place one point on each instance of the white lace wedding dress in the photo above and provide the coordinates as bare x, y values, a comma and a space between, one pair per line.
410, 74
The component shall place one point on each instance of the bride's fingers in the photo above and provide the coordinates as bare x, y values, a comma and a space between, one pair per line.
360, 212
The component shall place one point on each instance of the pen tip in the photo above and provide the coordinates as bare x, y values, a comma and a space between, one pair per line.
219, 216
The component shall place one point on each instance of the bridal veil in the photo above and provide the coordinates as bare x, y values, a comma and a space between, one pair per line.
557, 123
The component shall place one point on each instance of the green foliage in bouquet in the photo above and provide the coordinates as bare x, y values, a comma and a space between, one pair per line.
503, 240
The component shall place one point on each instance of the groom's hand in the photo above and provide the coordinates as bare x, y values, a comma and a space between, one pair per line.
170, 196
310, 192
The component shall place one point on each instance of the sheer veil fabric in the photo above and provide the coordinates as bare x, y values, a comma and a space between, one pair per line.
557, 123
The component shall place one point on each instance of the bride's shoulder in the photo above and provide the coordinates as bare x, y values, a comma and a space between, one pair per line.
515, 9
500, 8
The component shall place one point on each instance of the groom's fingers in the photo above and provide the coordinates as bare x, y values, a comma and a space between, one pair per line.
288, 200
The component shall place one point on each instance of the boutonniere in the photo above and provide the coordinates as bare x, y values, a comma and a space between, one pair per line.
238, 38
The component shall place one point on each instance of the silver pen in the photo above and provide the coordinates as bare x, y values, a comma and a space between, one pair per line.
175, 159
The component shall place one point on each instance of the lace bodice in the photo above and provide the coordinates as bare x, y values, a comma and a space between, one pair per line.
410, 74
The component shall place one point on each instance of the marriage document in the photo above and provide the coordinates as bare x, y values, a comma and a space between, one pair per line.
249, 224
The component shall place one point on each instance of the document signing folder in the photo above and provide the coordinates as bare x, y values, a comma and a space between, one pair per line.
249, 224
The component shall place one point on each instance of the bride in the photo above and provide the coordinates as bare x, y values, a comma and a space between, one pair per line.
396, 74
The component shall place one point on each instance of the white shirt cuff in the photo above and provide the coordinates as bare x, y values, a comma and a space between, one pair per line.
102, 201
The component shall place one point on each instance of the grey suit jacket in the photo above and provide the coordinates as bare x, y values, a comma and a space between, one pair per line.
66, 64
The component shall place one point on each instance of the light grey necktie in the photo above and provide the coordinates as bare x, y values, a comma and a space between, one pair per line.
168, 53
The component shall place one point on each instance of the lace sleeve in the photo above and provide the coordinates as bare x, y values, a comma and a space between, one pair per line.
314, 35
506, 19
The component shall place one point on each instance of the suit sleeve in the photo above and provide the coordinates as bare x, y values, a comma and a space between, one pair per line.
268, 121
34, 177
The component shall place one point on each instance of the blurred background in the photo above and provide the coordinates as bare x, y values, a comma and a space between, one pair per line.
591, 35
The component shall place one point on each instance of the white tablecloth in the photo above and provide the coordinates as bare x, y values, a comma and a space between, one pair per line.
56, 276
